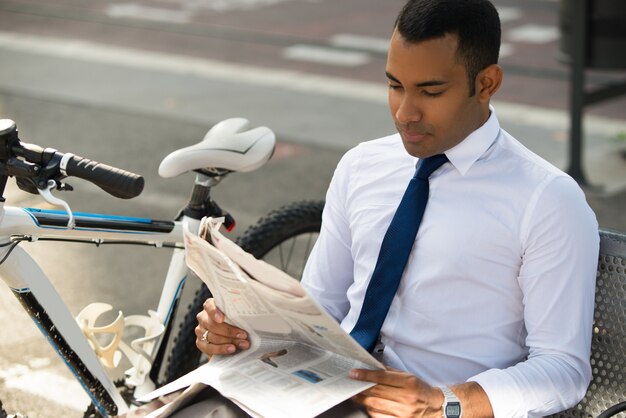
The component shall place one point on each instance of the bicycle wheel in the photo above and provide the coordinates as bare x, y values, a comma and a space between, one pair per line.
283, 238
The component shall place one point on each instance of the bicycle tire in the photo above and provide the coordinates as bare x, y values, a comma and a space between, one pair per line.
614, 410
301, 219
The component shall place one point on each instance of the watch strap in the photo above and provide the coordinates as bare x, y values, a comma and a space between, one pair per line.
451, 407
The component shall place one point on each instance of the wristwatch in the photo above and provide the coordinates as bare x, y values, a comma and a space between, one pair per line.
451, 404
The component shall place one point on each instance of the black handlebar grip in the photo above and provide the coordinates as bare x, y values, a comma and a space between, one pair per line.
115, 181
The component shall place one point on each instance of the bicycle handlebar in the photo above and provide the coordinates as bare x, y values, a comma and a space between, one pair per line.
115, 181
41, 164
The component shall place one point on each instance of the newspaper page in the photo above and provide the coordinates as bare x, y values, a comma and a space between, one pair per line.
299, 357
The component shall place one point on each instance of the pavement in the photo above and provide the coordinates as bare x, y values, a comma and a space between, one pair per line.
127, 83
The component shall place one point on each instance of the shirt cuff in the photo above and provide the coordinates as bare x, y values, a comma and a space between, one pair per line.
503, 392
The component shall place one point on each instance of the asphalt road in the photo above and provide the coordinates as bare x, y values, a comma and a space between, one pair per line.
346, 39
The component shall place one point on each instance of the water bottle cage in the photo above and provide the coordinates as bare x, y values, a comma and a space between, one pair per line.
106, 340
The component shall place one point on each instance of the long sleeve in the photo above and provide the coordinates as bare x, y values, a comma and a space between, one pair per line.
329, 270
557, 279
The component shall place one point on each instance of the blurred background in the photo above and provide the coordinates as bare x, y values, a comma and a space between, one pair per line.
127, 82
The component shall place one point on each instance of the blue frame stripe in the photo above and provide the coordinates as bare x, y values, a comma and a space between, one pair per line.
178, 290
101, 222
91, 215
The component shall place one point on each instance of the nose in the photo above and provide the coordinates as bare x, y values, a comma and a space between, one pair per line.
407, 108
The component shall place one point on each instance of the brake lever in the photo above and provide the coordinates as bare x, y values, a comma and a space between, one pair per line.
47, 196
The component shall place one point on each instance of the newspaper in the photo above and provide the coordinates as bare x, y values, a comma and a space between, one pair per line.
299, 358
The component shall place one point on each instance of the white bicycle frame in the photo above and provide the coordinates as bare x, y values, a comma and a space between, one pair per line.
34, 290
229, 146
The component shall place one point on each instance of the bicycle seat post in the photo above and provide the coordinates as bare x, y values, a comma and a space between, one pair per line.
200, 203
200, 195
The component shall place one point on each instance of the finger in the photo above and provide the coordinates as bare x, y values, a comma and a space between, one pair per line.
214, 313
219, 350
211, 349
366, 403
384, 377
407, 396
397, 386
210, 343
217, 339
381, 391
223, 329
376, 406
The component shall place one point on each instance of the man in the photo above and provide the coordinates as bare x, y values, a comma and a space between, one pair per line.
495, 303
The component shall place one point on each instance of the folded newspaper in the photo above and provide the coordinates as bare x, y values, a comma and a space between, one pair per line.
299, 358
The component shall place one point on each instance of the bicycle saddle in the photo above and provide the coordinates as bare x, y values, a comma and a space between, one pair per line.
228, 145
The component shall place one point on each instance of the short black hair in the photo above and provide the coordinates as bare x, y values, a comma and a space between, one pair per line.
475, 22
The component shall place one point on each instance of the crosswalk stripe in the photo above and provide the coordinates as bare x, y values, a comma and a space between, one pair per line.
534, 34
324, 55
359, 42
137, 11
506, 50
508, 14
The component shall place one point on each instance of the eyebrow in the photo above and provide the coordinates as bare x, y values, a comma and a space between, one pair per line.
429, 83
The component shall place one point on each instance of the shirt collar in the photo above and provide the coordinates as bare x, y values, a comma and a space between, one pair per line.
468, 151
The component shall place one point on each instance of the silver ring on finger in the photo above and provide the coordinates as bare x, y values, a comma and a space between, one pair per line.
204, 337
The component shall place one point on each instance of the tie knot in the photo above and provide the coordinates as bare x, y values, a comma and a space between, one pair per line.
426, 166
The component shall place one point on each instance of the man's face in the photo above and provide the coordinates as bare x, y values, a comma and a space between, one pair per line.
429, 95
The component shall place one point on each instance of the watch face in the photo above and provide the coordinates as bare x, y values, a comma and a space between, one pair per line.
453, 410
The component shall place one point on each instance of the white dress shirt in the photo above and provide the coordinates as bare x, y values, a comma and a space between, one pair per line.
499, 286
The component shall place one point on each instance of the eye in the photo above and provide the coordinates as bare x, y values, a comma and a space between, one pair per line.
394, 86
432, 93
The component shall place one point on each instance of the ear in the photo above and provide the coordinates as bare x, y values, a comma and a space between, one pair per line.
488, 82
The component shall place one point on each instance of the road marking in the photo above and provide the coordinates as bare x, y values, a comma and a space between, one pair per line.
533, 34
506, 50
227, 5
46, 384
552, 119
324, 55
363, 43
188, 66
508, 14
137, 11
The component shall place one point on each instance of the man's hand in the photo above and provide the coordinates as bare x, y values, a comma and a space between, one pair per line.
219, 337
401, 394
397, 394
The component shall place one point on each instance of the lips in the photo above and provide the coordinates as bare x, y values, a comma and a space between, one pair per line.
413, 136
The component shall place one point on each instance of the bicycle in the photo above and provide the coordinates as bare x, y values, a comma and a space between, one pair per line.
228, 147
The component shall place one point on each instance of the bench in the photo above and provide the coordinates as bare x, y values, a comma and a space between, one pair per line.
606, 394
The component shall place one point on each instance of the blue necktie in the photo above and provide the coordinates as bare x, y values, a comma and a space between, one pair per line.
394, 253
